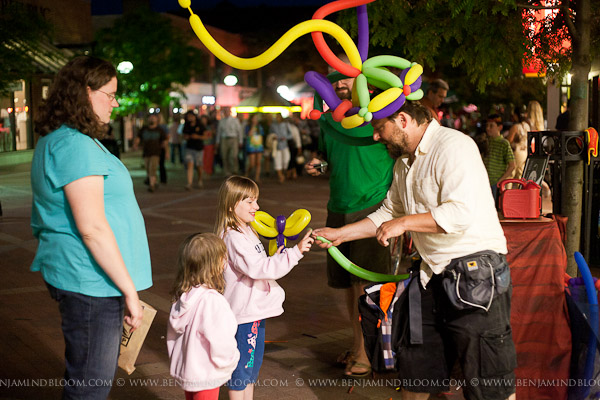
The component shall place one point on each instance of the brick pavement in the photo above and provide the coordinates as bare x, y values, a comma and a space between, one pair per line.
303, 342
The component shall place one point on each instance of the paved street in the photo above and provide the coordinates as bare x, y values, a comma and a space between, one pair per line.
302, 345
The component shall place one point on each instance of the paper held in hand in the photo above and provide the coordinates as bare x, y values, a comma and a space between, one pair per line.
131, 342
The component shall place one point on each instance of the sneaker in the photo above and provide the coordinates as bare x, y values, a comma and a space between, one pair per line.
188, 187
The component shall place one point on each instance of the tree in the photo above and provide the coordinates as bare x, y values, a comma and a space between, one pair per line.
161, 58
488, 42
22, 30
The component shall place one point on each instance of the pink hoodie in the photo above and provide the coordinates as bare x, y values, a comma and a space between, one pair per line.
201, 340
250, 276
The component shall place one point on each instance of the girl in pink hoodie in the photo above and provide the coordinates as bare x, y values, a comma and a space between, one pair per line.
250, 277
201, 333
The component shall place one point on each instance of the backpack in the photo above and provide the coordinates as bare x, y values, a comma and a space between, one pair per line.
376, 308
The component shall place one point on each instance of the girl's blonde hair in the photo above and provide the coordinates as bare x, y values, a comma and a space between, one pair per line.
535, 115
233, 190
200, 262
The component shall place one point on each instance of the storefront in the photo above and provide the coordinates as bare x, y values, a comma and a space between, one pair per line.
18, 106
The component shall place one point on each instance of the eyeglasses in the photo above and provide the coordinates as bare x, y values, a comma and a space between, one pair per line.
110, 96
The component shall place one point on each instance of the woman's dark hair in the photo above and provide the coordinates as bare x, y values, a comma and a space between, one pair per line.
68, 101
187, 125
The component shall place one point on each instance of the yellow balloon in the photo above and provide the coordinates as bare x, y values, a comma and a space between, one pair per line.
296, 222
352, 121
384, 99
314, 25
413, 74
264, 224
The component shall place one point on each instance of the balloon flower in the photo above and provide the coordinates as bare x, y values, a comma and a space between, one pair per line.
280, 229
365, 71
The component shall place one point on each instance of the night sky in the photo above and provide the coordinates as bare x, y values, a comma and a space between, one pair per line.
103, 7
237, 16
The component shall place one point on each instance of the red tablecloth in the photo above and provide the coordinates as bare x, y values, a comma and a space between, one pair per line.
539, 316
208, 158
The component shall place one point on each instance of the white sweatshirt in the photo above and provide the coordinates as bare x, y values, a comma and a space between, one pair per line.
250, 276
201, 340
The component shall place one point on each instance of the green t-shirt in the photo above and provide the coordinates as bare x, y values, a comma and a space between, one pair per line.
360, 175
499, 155
62, 157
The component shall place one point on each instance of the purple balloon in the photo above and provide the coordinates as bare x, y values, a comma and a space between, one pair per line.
403, 74
280, 223
321, 84
390, 108
352, 111
280, 240
293, 237
416, 84
363, 31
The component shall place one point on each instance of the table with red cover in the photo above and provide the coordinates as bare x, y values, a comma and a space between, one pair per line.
539, 315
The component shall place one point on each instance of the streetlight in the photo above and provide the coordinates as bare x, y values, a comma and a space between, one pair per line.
285, 92
125, 67
230, 80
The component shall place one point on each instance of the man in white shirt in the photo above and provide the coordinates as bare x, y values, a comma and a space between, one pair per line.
440, 193
229, 140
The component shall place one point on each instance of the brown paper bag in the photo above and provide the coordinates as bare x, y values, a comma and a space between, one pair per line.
131, 342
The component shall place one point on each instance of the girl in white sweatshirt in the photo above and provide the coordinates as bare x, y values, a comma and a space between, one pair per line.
201, 334
250, 277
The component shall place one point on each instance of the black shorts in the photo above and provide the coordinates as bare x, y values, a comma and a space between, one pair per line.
366, 253
481, 342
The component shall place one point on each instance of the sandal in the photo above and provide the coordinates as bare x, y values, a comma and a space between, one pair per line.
349, 374
345, 358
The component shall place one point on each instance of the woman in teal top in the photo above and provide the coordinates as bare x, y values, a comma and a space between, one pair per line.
93, 252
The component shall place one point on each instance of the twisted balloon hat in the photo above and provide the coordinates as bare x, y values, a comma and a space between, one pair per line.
362, 109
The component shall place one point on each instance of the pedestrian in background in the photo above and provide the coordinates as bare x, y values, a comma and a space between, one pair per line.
153, 139
229, 140
193, 133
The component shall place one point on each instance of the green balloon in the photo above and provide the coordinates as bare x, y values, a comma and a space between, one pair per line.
354, 269
386, 61
383, 76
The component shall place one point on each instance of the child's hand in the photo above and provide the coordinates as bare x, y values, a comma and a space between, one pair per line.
306, 242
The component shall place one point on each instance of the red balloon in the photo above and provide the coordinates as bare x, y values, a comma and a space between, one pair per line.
319, 40
340, 112
314, 114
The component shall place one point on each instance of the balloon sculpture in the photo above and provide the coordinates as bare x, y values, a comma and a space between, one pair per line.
362, 109
354, 269
280, 229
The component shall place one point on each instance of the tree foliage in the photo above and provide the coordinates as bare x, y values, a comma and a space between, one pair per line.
486, 41
22, 30
160, 54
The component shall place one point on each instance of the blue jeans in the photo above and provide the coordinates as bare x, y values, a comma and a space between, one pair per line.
92, 328
176, 146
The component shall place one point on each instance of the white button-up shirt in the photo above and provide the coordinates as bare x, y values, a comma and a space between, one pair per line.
448, 179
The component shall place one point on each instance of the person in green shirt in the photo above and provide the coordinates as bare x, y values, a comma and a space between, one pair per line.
500, 160
360, 175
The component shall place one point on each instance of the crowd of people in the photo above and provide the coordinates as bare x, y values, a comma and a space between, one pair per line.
416, 176
255, 145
